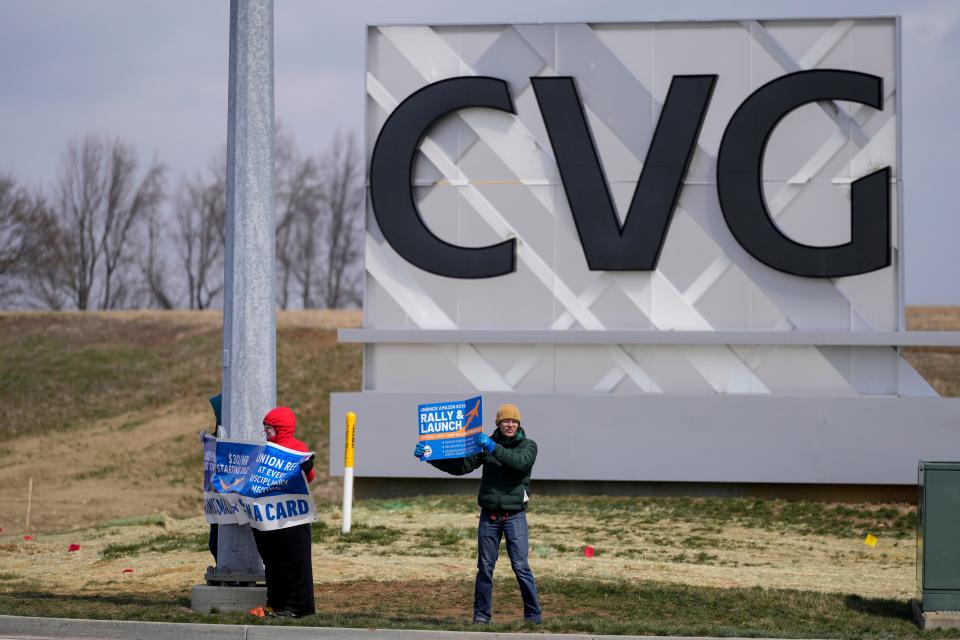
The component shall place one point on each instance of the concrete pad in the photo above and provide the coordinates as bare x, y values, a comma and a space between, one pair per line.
206, 598
935, 619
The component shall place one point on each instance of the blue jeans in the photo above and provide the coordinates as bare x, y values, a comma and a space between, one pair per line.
494, 526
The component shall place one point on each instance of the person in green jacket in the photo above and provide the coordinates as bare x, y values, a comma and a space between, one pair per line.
507, 458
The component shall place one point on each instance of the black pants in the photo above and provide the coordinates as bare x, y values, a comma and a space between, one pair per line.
288, 567
212, 541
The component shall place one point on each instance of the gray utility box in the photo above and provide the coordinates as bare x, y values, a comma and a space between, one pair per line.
938, 536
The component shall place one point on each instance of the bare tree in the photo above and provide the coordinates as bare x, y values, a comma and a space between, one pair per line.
46, 279
153, 267
318, 212
342, 197
302, 204
305, 200
24, 221
126, 205
100, 201
106, 226
81, 199
12, 243
11, 240
295, 206
201, 215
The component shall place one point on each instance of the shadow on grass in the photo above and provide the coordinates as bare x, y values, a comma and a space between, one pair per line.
106, 606
571, 606
881, 607
100, 599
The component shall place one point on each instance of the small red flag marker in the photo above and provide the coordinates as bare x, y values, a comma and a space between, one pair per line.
589, 552
28, 537
128, 571
73, 547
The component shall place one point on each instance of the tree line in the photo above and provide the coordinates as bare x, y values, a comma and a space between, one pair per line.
110, 233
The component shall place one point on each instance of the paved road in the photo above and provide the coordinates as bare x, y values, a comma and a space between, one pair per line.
22, 628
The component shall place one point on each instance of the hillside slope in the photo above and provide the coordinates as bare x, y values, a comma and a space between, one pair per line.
102, 409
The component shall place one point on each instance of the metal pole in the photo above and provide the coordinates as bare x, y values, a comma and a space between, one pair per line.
249, 307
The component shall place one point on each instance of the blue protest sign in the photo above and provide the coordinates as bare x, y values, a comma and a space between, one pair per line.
449, 429
256, 483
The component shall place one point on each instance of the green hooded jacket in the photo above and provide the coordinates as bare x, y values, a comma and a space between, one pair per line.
506, 471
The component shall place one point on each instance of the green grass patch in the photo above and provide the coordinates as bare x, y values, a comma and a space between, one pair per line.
569, 606
96, 473
451, 504
710, 514
360, 533
130, 425
159, 544
98, 366
157, 519
445, 536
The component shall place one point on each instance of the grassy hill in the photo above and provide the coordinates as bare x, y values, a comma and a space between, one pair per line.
97, 403
94, 404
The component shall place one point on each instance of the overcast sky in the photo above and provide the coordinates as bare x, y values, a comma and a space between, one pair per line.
154, 72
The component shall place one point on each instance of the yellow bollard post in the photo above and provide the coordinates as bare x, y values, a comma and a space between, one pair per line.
349, 444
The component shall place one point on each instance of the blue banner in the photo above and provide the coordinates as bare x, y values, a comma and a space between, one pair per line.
450, 429
259, 484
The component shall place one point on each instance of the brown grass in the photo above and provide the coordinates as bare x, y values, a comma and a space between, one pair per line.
933, 318
668, 551
101, 444
102, 410
939, 366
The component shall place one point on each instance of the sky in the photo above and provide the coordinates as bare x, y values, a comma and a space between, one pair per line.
154, 72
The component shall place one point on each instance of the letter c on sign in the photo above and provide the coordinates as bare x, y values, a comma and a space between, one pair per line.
391, 173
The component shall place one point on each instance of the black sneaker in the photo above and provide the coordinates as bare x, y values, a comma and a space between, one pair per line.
480, 621
283, 613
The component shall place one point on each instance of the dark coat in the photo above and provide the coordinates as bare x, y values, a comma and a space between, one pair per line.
506, 471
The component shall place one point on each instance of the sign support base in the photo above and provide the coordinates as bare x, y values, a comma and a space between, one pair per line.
206, 598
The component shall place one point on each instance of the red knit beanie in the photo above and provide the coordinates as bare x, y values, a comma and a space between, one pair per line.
281, 417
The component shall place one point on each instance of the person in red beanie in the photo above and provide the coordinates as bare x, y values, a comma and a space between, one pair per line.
285, 552
279, 425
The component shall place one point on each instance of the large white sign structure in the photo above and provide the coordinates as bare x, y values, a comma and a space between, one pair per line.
713, 366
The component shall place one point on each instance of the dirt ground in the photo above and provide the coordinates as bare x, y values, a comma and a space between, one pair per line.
110, 472
726, 557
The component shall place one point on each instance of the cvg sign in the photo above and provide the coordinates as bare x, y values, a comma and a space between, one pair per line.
637, 243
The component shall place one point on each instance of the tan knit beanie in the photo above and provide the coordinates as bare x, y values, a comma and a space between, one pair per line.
508, 412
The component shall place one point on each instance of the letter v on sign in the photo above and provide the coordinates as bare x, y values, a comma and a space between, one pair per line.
637, 243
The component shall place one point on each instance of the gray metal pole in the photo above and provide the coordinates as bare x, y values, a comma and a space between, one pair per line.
249, 307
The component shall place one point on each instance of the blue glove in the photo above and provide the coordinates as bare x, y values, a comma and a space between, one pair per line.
486, 443
420, 450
